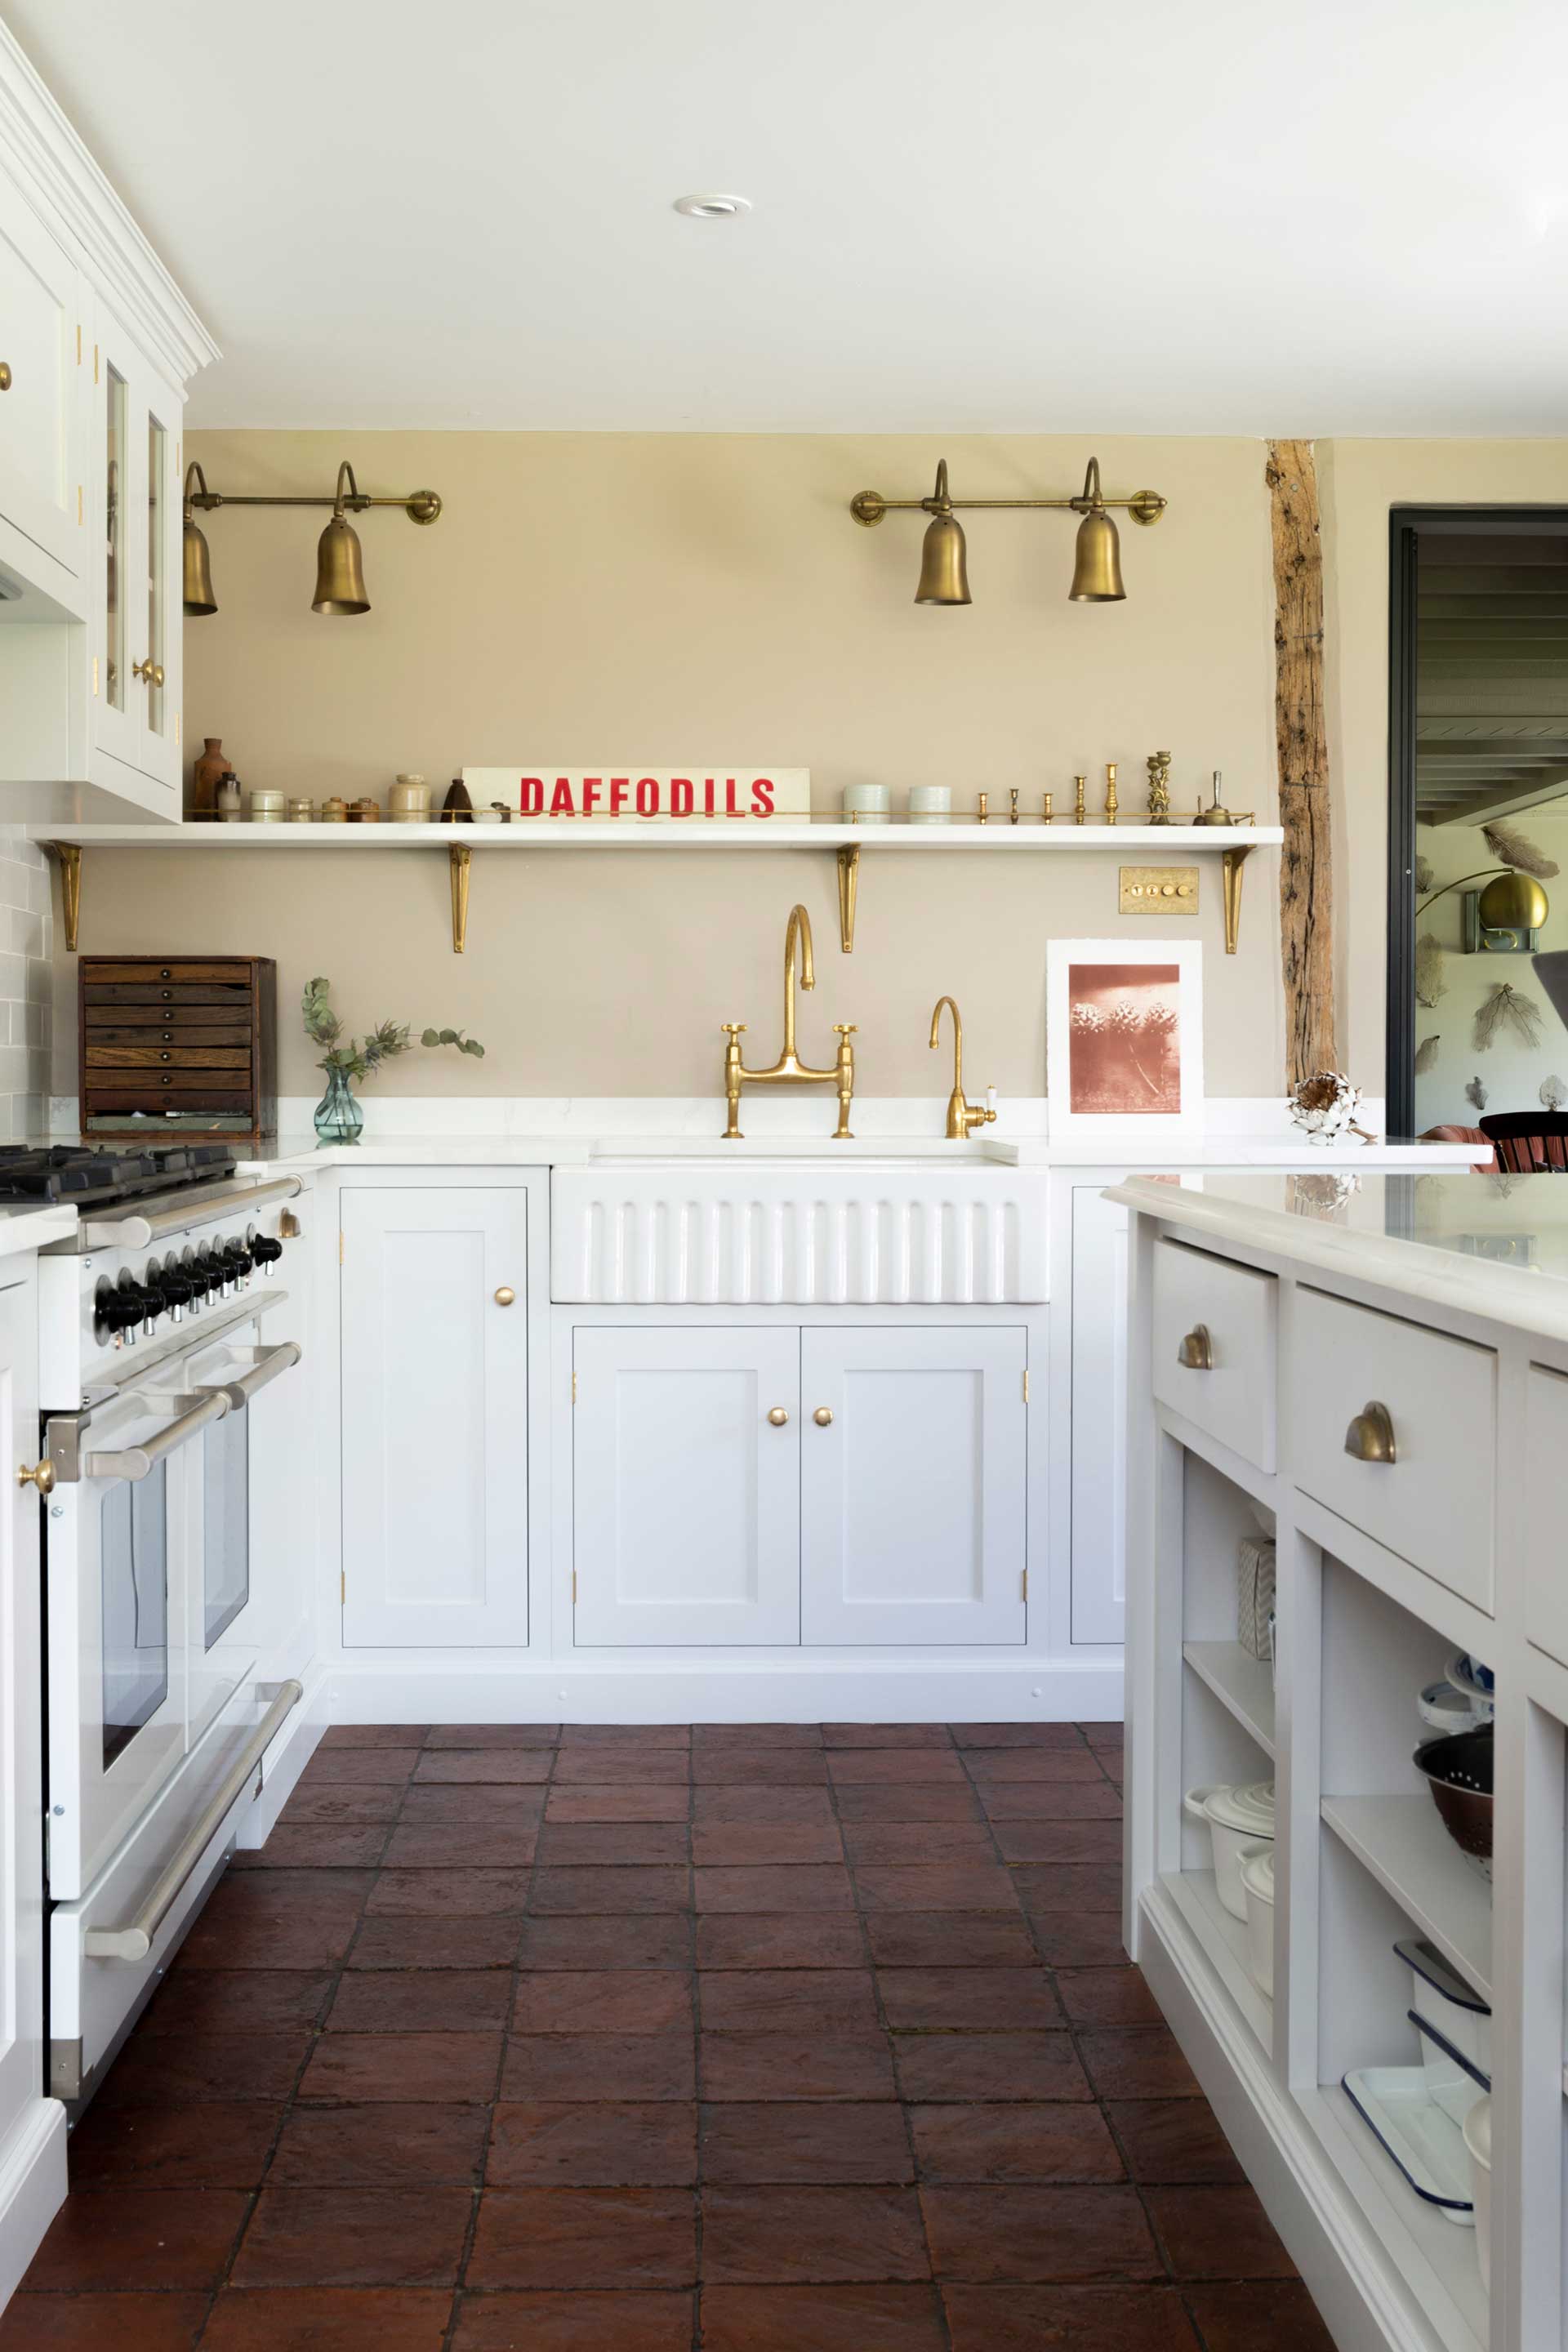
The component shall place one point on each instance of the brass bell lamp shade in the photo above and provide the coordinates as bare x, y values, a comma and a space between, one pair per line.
340, 562
199, 599
1513, 902
945, 574
1097, 560
944, 577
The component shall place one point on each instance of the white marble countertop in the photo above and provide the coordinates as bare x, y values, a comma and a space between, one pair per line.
1495, 1245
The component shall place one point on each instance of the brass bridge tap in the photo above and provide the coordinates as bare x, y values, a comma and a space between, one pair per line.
789, 1070
963, 1117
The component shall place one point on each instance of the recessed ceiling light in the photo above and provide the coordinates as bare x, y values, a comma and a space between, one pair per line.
712, 207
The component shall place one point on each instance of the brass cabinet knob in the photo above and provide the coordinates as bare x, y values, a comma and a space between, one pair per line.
5, 375
505, 1295
823, 1416
148, 670
1196, 1350
778, 1416
42, 1474
1369, 1437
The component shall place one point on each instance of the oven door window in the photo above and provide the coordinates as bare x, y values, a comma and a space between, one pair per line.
226, 1517
134, 1538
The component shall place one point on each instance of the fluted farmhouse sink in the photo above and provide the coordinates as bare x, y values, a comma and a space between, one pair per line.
933, 1151
916, 1223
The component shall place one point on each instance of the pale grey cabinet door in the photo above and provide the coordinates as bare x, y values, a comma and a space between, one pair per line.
1098, 1413
685, 1494
435, 1418
913, 1493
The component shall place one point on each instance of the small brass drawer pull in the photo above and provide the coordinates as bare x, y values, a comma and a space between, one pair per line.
1196, 1350
505, 1295
41, 1475
823, 1416
778, 1416
1369, 1437
5, 375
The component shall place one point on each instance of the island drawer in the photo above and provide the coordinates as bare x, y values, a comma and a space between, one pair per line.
1430, 1500
1546, 1510
1215, 1328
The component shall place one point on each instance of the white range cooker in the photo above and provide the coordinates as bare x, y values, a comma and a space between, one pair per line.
159, 1328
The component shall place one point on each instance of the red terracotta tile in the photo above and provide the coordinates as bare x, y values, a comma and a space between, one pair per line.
493, 1735
215, 2146
365, 1802
650, 2321
1245, 2318
86, 2323
599, 2066
918, 1841
846, 2318
801, 1939
127, 2239
719, 1843
1016, 1735
603, 2000
934, 1999
1022, 2142
460, 1943
420, 2000
329, 1768
1002, 1766
851, 1767
569, 2144
243, 2001
753, 2066
1108, 1997
568, 2237
374, 1735
447, 1894
328, 2319
788, 2236
939, 1939
608, 1766
381, 2146
654, 1939
763, 1804
658, 1886
1172, 2140
1055, 1841
318, 1845
473, 1802
1218, 2233
756, 1735
461, 1845
614, 1841
786, 2140
1073, 1940
627, 1736
945, 1887
610, 1801
164, 2070
1071, 2235
788, 2001
987, 2066
1087, 2318
354, 2237
1069, 1886
886, 1735
911, 1801
1139, 2061
760, 1767
498, 1766
1106, 1737
278, 1919
445, 2067
767, 1888
1053, 1800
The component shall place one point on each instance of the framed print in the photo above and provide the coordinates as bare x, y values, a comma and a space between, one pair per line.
1124, 1040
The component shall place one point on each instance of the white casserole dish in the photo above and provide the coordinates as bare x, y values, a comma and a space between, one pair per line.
1236, 1817
1446, 2002
1257, 1888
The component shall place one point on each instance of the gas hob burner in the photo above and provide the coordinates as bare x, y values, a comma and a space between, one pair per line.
86, 1175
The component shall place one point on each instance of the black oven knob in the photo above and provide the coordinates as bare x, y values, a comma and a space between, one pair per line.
266, 1253
176, 1290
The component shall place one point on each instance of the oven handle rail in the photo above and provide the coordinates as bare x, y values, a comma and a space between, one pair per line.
134, 1231
135, 1941
265, 1364
197, 1406
201, 1406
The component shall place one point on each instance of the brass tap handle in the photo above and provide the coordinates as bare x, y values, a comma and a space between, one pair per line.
1369, 1437
1196, 1350
778, 1416
733, 1028
823, 1416
42, 1474
847, 1028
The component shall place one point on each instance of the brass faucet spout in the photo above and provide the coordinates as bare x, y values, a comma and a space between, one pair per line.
789, 1069
963, 1117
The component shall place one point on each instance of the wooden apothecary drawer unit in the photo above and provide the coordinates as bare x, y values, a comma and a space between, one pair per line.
1432, 1502
179, 1042
1215, 1340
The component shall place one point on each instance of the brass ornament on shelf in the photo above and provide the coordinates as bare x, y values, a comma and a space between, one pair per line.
1110, 800
1080, 814
1159, 766
944, 577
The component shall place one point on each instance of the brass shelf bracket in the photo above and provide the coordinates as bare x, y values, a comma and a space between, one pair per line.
849, 884
69, 856
461, 857
1232, 861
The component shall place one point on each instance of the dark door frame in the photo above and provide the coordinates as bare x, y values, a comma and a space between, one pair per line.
1405, 525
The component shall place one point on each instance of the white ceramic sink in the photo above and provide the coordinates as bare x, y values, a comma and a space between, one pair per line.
795, 1151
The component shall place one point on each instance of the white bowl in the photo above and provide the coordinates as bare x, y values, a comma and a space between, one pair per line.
1258, 1887
1236, 1817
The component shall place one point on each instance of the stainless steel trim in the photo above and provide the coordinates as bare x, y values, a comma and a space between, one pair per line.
139, 1461
135, 1941
65, 2069
266, 1363
137, 1229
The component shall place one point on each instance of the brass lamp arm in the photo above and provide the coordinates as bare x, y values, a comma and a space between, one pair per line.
420, 505
1482, 874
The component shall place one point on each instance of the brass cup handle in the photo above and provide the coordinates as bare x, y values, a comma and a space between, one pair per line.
778, 1416
148, 670
505, 1295
823, 1416
42, 1474
5, 375
1196, 1350
1369, 1437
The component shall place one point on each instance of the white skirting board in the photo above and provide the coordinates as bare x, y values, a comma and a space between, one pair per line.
928, 1691
32, 2188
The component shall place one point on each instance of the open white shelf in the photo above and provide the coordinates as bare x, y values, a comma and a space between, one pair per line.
544, 833
1224, 1940
1404, 1845
1241, 1683
1435, 2257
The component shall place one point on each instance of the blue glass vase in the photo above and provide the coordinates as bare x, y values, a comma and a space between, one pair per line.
339, 1118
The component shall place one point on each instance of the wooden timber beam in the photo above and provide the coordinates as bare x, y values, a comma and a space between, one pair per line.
1306, 870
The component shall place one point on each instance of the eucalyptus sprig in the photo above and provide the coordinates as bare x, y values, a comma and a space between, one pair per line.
357, 1058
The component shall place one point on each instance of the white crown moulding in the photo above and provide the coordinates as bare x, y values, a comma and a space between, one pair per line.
57, 172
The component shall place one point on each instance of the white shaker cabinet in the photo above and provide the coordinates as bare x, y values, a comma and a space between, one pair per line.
138, 623
686, 1479
42, 419
435, 1416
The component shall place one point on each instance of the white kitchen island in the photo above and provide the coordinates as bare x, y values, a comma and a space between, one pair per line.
1270, 1316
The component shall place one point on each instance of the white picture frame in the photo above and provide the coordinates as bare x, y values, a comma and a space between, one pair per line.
1135, 1074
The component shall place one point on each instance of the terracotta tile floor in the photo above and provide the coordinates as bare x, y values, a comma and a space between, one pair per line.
761, 2038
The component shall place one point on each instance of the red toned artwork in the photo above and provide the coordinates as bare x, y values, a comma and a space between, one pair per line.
1124, 1042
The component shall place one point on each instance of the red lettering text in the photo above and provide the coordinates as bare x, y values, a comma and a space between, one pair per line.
619, 787
647, 797
531, 798
561, 800
680, 796
591, 793
762, 796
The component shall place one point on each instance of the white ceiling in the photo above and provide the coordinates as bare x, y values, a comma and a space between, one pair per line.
986, 215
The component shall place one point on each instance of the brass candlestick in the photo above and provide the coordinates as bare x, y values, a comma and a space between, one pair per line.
1111, 792
1080, 814
1046, 816
983, 813
1159, 767
1012, 796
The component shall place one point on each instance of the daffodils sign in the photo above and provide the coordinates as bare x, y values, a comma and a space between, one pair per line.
694, 795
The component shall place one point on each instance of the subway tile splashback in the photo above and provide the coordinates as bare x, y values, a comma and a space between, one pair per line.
26, 926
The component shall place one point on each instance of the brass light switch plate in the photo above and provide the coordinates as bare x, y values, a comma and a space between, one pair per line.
1158, 890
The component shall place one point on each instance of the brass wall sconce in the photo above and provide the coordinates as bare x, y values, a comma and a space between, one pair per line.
340, 564
944, 577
